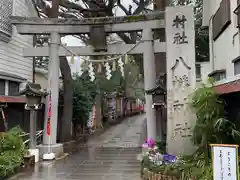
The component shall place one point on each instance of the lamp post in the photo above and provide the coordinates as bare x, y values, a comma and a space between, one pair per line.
34, 98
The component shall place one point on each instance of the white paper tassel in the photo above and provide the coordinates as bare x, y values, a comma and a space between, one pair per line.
91, 72
108, 71
120, 64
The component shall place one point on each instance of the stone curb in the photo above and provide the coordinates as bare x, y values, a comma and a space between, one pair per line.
148, 175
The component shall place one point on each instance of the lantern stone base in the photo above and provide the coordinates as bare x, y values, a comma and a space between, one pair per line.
35, 153
57, 149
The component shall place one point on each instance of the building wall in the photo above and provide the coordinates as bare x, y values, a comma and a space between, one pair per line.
41, 77
226, 47
206, 68
11, 53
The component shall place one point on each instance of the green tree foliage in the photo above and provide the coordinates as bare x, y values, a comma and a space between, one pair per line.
114, 84
133, 81
211, 124
84, 92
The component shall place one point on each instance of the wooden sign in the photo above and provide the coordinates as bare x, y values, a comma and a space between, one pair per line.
225, 162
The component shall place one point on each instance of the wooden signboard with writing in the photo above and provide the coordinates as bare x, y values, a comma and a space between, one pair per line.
225, 162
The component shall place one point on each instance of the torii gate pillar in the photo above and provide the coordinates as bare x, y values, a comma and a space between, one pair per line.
50, 140
53, 85
149, 81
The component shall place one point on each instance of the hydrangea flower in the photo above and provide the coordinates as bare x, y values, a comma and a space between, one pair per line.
169, 158
150, 150
150, 142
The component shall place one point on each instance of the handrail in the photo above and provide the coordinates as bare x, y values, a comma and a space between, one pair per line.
38, 135
25, 134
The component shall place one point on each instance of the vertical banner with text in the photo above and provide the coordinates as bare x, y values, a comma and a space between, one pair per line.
49, 115
181, 78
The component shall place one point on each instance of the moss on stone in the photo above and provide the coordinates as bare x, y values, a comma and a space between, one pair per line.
135, 18
88, 21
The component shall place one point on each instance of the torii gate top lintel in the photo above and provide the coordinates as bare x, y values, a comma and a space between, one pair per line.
88, 21
82, 26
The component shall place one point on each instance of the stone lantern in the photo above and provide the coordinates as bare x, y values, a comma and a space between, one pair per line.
159, 104
34, 98
158, 95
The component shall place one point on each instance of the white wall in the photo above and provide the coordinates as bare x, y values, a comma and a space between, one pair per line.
11, 53
206, 69
41, 77
226, 47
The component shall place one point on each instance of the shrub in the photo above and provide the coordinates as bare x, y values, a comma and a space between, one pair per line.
211, 125
12, 151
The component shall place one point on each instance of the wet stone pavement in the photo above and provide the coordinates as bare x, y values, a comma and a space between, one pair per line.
110, 156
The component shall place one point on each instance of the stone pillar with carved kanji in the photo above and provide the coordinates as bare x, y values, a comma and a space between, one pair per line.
181, 78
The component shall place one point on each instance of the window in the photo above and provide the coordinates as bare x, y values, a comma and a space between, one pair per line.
221, 19
13, 88
236, 62
6, 8
237, 67
198, 71
218, 75
2, 87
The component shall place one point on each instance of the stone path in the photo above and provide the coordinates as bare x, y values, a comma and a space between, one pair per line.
111, 156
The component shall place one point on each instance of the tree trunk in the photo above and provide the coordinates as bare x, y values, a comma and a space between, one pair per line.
66, 119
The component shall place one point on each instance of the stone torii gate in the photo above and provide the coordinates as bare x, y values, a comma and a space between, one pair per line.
57, 27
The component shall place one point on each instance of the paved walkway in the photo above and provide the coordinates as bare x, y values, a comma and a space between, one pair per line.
111, 156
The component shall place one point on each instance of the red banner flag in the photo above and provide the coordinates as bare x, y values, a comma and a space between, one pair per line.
49, 116
48, 127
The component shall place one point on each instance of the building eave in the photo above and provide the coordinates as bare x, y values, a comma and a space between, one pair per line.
12, 99
228, 85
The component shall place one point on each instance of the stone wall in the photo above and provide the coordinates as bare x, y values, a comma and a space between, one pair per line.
148, 175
